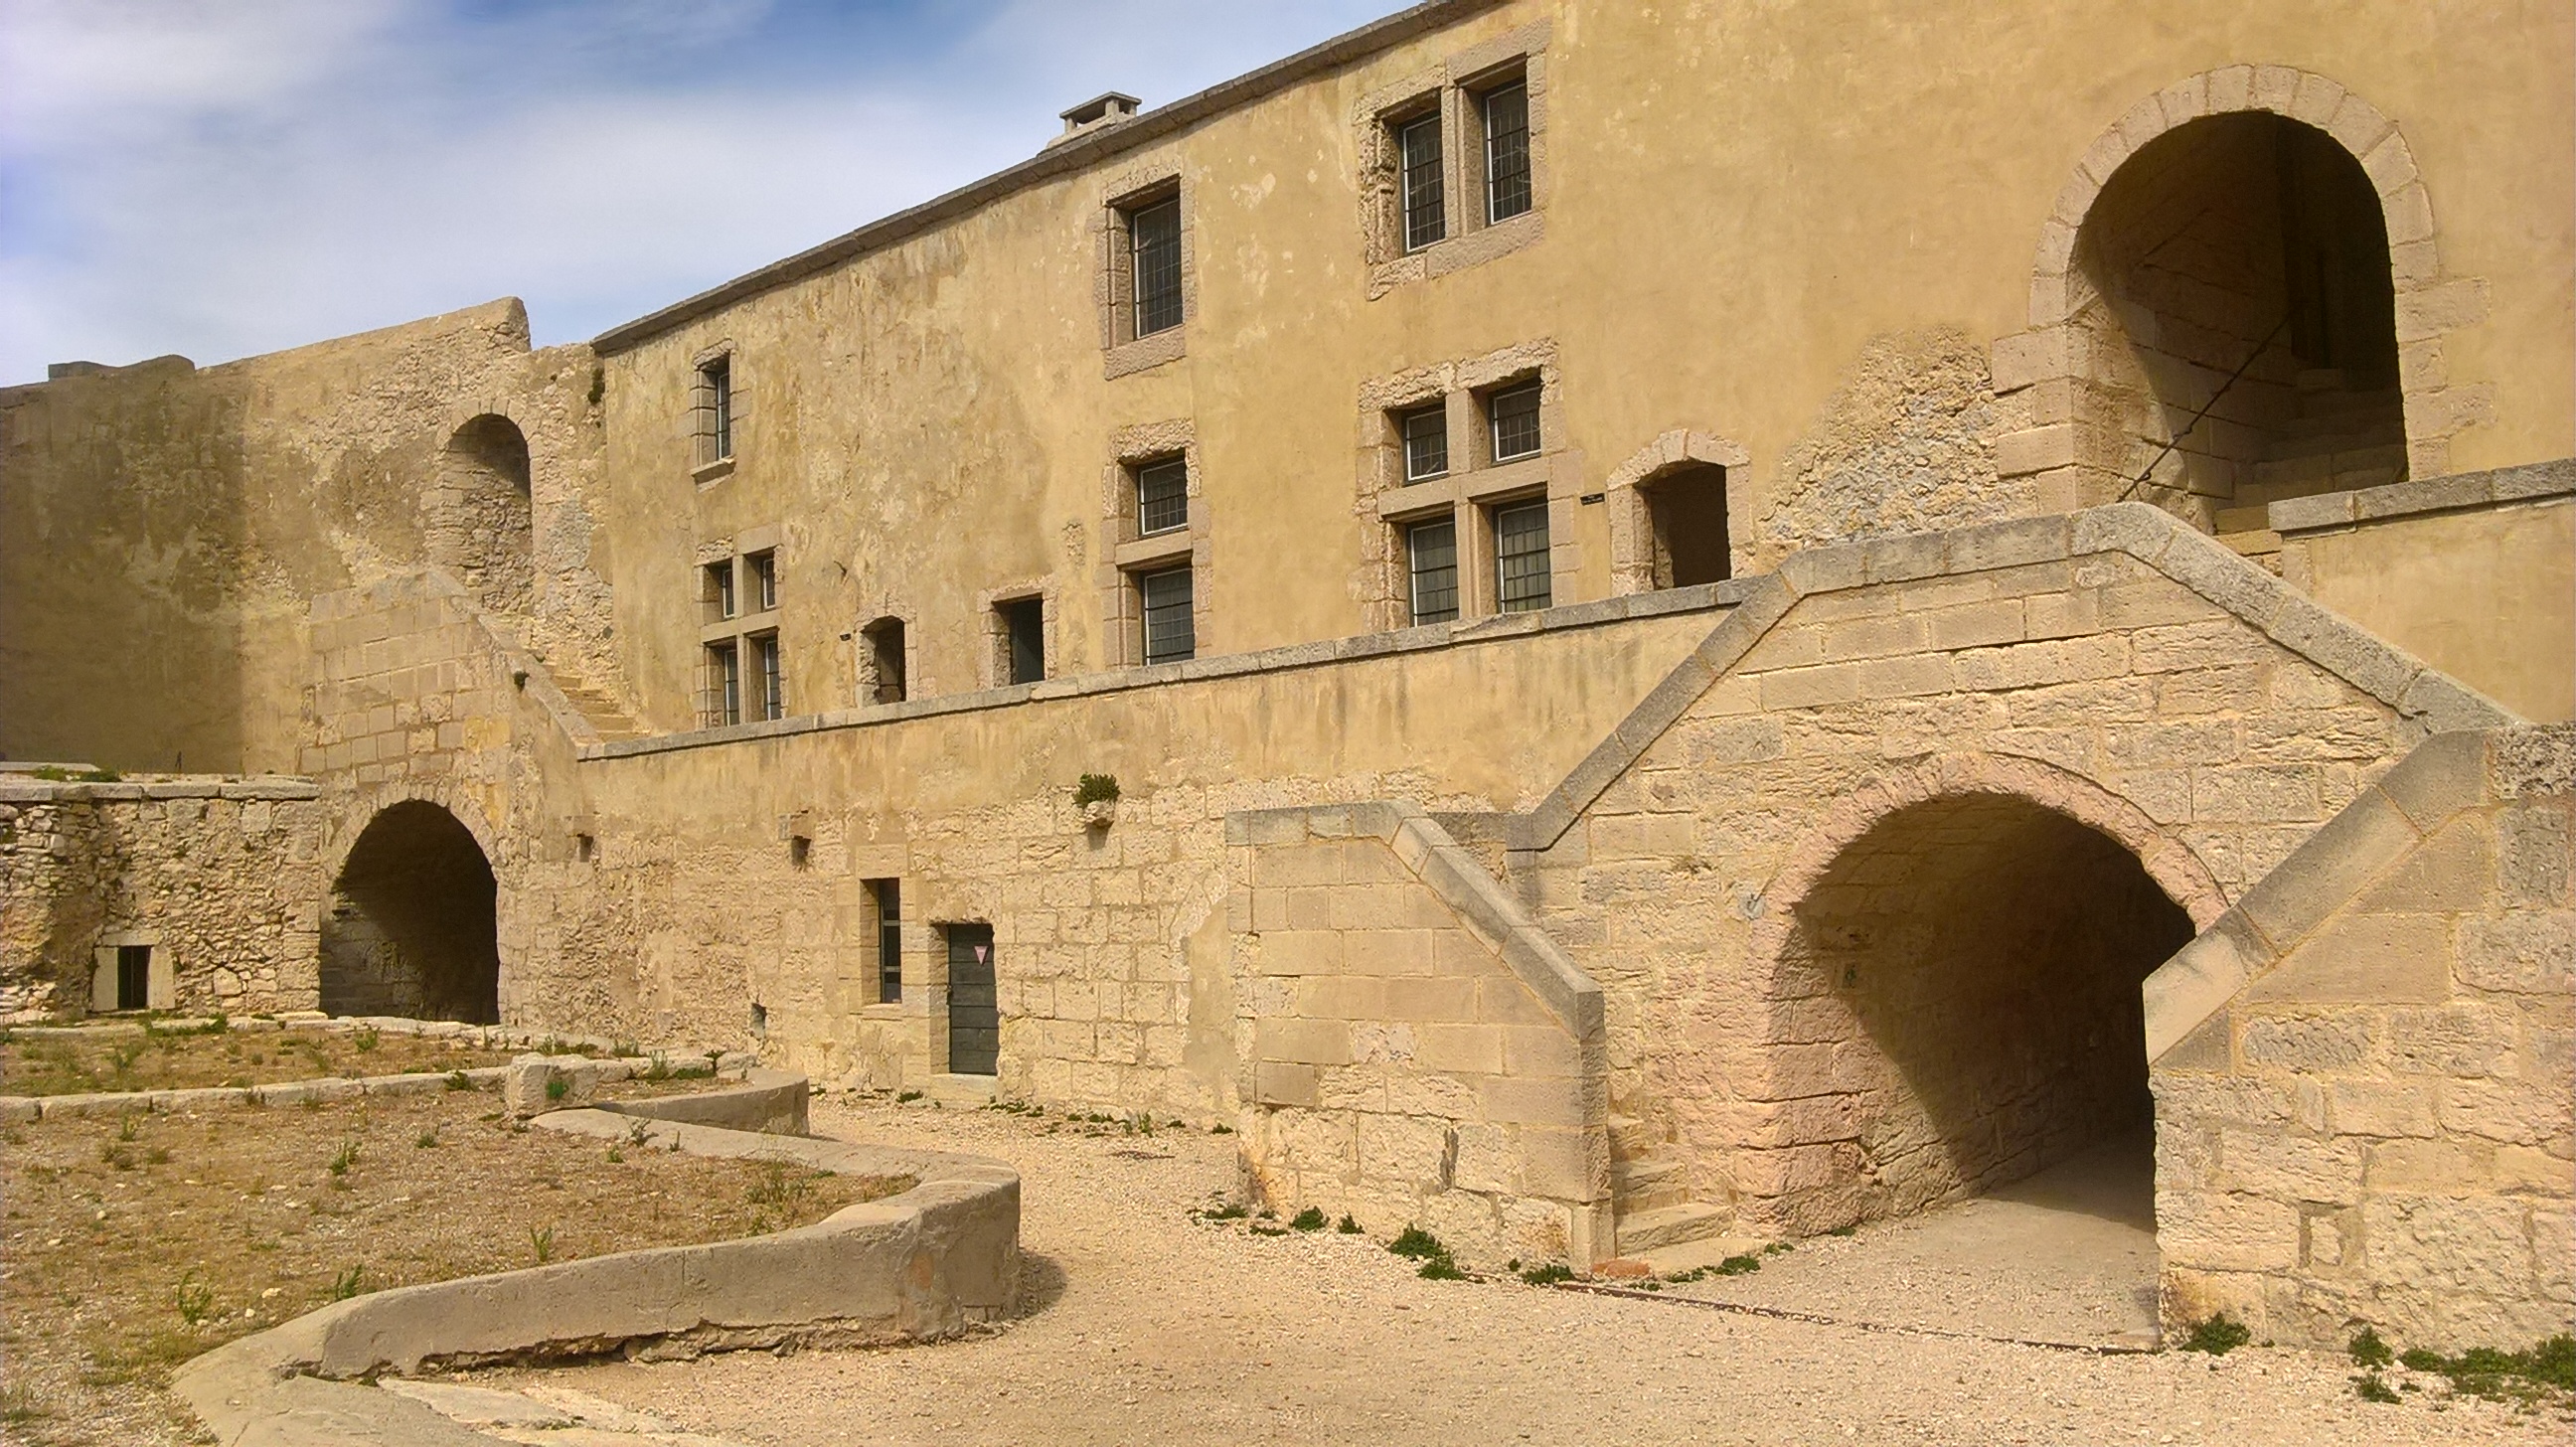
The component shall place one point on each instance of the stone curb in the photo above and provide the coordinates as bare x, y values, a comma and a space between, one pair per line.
919, 1265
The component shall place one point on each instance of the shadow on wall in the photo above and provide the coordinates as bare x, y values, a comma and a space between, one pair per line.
412, 928
1976, 962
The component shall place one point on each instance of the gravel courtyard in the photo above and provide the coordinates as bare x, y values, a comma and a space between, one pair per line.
1147, 1326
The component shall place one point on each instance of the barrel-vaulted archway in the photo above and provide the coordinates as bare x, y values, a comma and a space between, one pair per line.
1967, 940
412, 927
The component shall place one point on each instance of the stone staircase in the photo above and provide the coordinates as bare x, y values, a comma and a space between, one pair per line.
1650, 1197
2339, 441
600, 707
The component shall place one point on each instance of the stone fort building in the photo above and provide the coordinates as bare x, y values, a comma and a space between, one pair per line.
1708, 619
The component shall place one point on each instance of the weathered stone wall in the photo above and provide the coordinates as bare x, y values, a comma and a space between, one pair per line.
2377, 1128
222, 877
1419, 1052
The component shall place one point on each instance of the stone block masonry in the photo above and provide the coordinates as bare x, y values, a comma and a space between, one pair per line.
221, 879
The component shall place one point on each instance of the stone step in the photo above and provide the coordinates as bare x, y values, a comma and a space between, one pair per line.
959, 1089
1629, 1136
1707, 1251
1646, 1185
1665, 1226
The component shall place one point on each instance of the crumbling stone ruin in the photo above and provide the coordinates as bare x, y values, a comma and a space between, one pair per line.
1670, 621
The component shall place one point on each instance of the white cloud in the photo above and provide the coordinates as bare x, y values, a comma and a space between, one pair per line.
225, 178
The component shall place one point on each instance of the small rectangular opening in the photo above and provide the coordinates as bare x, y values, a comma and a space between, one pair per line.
1425, 431
1431, 552
1170, 633
888, 894
1521, 557
134, 977
881, 661
1023, 639
1162, 495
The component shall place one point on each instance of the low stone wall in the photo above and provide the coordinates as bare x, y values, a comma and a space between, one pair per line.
2362, 1072
939, 1255
1419, 1052
221, 878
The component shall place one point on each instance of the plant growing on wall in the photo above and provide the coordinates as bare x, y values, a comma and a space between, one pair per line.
1096, 799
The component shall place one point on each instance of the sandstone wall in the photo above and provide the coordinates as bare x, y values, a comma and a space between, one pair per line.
2376, 1126
1419, 1053
223, 878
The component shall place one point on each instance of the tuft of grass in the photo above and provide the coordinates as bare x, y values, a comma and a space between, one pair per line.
541, 1239
2546, 1370
776, 1188
1548, 1274
1845, 1230
558, 1086
1220, 1128
1441, 1268
20, 1404
1310, 1219
906, 1097
615, 1155
367, 1039
116, 1155
1230, 1211
125, 1128
346, 1284
456, 1080
196, 1299
1415, 1242
2372, 1387
343, 1158
428, 1140
1348, 1226
2368, 1350
2217, 1336
1261, 1230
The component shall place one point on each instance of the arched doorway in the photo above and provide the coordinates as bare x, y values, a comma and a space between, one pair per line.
412, 928
2233, 284
1972, 962
481, 518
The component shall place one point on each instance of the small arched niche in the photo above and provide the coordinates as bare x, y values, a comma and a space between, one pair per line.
2242, 321
481, 521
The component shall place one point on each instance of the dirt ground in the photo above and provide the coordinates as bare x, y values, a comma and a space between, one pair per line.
133, 1244
1147, 1326
67, 1063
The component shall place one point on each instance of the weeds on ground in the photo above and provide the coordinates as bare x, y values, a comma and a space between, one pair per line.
1220, 1128
1548, 1273
195, 1299
2217, 1336
428, 1140
1310, 1219
341, 1160
906, 1097
19, 1404
1349, 1226
1742, 1265
541, 1239
2372, 1387
457, 1080
346, 1284
2544, 1374
2367, 1350
367, 1039
1260, 1230
776, 1188
1422, 1246
1229, 1211
558, 1086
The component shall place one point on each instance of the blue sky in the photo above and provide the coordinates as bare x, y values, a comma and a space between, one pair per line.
224, 177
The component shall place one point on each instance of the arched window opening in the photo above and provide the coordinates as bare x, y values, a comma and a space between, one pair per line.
2247, 320
480, 518
1686, 515
1976, 961
413, 923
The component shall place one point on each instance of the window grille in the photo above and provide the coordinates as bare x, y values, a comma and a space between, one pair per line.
1507, 152
764, 581
1425, 213
1162, 496
1154, 236
722, 702
1426, 443
1024, 639
1170, 635
715, 387
1515, 422
767, 663
720, 598
1520, 556
1432, 549
889, 895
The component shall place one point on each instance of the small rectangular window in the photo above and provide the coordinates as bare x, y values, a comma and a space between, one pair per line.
715, 380
1421, 184
719, 590
1024, 638
769, 669
1432, 551
1514, 415
1154, 239
1162, 496
882, 679
133, 977
724, 685
1520, 557
889, 898
1170, 634
764, 581
1426, 443
1507, 152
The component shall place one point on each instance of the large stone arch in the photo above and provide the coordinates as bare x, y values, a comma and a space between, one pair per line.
2065, 454
1952, 962
403, 866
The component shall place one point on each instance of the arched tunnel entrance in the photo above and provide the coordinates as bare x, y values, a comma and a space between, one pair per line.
412, 928
1978, 959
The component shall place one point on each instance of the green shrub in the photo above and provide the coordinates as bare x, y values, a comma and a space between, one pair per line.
1349, 1226
1549, 1274
1417, 1243
2368, 1350
2217, 1336
1310, 1219
1095, 789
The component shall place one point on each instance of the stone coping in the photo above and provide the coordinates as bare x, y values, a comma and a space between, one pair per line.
1426, 638
925, 1263
2335, 511
2441, 777
1450, 872
23, 789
